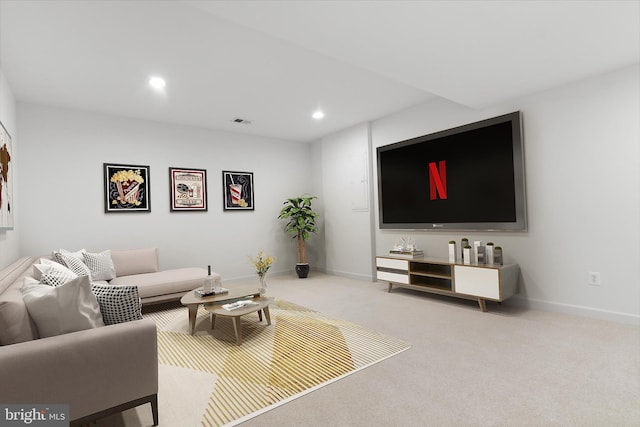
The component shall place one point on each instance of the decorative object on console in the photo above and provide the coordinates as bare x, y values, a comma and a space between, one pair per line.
301, 222
237, 190
406, 254
497, 256
262, 264
489, 253
476, 245
126, 188
188, 188
466, 255
6, 180
463, 244
452, 251
405, 247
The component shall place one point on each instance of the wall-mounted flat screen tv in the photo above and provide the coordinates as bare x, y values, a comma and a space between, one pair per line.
467, 178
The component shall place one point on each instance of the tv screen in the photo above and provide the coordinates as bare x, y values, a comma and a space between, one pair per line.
466, 178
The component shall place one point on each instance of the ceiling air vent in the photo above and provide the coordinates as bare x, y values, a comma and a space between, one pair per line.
243, 121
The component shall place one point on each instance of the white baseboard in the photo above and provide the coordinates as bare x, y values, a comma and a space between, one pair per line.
577, 310
354, 276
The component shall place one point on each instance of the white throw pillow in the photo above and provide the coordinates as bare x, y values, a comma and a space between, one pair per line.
51, 273
62, 309
100, 264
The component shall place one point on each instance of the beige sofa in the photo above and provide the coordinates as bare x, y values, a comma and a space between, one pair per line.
141, 267
95, 371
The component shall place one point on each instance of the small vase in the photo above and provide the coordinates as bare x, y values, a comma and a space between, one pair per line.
263, 284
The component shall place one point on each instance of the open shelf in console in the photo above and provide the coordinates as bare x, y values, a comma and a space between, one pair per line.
440, 271
431, 281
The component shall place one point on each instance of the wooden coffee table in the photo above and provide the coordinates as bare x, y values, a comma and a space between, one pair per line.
216, 310
192, 301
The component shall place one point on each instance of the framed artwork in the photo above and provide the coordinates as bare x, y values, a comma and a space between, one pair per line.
6, 180
237, 190
126, 188
188, 189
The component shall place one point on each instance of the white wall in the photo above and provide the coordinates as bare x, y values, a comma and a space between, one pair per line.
347, 202
583, 192
9, 239
61, 176
582, 172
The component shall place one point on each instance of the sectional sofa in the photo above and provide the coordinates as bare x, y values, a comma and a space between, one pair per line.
99, 370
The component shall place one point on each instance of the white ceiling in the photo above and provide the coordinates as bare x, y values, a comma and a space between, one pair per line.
275, 62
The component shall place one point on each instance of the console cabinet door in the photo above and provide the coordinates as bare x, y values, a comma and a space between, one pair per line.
480, 282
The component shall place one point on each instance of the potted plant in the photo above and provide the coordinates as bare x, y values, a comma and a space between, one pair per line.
301, 222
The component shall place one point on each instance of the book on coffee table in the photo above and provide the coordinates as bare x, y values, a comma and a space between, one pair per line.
203, 293
239, 304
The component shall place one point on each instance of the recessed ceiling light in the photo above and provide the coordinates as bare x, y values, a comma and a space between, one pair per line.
318, 115
157, 82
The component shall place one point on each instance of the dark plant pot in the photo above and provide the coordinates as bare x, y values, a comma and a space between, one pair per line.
302, 270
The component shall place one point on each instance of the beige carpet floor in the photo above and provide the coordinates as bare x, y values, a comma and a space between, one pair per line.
511, 366
207, 379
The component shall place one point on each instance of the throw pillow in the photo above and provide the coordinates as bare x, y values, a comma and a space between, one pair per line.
62, 309
76, 254
118, 304
75, 264
100, 264
51, 273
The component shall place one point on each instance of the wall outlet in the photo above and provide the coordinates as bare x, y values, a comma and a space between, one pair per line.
594, 278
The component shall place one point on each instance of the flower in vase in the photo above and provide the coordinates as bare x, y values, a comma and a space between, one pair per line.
262, 263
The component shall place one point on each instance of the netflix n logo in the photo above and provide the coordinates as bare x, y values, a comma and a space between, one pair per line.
438, 180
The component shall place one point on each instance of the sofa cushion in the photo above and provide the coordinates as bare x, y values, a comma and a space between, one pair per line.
100, 264
52, 273
135, 261
9, 274
57, 255
74, 264
118, 304
62, 309
15, 324
164, 282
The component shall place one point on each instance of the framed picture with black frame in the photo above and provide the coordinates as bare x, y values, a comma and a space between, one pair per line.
188, 189
126, 188
237, 190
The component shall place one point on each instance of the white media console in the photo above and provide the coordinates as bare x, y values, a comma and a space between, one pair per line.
470, 281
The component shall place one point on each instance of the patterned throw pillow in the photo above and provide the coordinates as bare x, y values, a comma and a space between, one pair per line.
53, 274
118, 304
57, 254
74, 264
100, 264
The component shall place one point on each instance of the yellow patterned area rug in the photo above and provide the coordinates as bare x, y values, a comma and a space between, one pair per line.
301, 351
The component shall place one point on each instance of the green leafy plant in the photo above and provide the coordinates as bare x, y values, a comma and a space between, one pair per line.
301, 222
